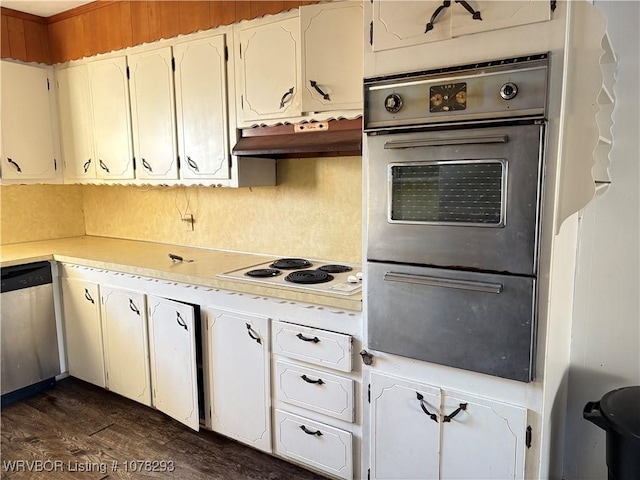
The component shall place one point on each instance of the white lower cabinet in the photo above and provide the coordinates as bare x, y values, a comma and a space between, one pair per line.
421, 431
240, 394
172, 346
83, 332
328, 397
322, 392
313, 443
126, 346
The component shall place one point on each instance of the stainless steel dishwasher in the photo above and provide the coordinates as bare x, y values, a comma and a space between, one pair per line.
30, 357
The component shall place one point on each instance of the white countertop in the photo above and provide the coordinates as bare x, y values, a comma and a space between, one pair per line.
152, 260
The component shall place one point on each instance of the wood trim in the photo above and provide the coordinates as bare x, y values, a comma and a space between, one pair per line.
23, 16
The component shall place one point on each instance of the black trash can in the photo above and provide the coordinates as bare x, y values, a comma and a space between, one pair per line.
618, 414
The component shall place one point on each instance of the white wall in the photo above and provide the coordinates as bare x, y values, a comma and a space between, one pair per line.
605, 345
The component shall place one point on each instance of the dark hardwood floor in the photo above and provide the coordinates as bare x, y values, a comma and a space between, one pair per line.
80, 431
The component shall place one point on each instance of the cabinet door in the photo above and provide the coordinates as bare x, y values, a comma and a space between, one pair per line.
76, 130
124, 325
83, 331
485, 440
27, 136
331, 64
111, 119
404, 23
269, 68
153, 114
492, 15
201, 103
172, 348
240, 381
405, 439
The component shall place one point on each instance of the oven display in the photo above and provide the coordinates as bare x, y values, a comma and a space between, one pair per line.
448, 97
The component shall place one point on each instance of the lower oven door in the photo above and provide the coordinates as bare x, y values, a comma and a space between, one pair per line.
463, 198
475, 321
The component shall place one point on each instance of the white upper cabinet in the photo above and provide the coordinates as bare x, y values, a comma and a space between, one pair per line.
172, 346
482, 16
406, 23
28, 148
268, 67
76, 122
331, 63
153, 114
109, 89
201, 104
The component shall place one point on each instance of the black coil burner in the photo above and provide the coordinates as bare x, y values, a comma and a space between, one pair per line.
335, 268
263, 273
291, 263
308, 277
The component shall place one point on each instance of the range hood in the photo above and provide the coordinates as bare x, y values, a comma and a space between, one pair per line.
313, 139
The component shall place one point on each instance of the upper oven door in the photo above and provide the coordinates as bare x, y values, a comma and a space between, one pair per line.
466, 198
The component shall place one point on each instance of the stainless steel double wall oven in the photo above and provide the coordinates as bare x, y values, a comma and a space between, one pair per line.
454, 168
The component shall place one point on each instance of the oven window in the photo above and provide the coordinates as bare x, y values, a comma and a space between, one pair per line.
465, 192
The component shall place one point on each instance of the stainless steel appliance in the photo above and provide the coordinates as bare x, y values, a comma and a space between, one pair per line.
30, 359
303, 274
454, 168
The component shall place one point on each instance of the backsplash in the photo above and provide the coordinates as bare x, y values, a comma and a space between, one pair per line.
315, 211
40, 212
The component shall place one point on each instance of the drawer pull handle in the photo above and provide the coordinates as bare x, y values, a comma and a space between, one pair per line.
447, 418
310, 432
251, 334
307, 339
87, 295
308, 380
432, 416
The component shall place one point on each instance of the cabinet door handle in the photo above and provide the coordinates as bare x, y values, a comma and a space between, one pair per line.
432, 416
314, 84
103, 166
133, 307
18, 169
87, 295
444, 5
181, 321
86, 165
252, 335
192, 164
310, 432
475, 14
286, 94
308, 380
447, 418
307, 339
146, 165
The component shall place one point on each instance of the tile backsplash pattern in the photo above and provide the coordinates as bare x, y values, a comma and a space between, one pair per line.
40, 212
315, 211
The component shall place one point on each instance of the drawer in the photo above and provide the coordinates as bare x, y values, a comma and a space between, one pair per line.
312, 345
315, 444
320, 392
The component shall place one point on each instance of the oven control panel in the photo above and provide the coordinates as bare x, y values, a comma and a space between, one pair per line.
503, 89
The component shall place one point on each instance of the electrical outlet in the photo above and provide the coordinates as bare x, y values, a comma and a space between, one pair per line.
188, 221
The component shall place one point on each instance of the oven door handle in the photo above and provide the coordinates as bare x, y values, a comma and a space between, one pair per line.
483, 287
439, 142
